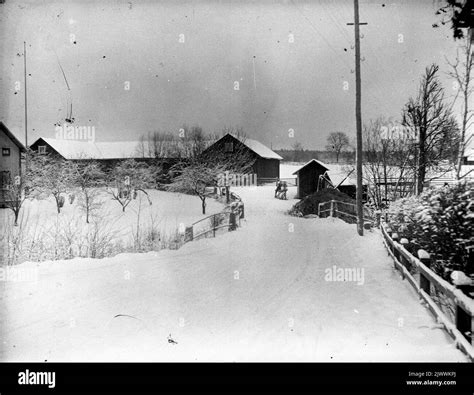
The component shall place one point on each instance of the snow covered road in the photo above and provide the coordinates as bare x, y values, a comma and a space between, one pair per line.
257, 294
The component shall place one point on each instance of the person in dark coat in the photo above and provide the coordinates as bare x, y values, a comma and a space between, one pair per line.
278, 187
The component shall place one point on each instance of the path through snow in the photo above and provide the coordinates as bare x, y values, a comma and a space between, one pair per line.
256, 294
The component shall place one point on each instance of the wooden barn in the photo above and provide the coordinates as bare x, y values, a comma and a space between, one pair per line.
109, 153
10, 164
266, 163
308, 177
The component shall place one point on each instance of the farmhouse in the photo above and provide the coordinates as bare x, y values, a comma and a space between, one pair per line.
10, 164
265, 162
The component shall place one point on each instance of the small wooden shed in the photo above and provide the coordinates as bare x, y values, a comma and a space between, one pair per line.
308, 177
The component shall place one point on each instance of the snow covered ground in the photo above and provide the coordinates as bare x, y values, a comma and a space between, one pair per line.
41, 225
257, 294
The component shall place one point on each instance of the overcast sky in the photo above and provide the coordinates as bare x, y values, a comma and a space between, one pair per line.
282, 84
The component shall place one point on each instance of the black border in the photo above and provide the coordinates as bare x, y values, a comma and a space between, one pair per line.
241, 378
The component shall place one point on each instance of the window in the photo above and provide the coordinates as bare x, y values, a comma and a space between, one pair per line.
229, 147
41, 149
5, 151
4, 178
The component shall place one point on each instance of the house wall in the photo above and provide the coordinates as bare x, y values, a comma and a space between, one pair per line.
9, 163
308, 179
10, 166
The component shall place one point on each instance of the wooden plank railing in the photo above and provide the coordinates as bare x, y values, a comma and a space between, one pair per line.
228, 218
461, 328
335, 208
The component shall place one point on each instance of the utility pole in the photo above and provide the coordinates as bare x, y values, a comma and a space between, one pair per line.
26, 102
360, 210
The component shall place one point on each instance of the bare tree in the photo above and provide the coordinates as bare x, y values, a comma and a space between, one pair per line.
16, 192
193, 140
52, 176
88, 176
128, 178
387, 168
337, 142
197, 179
461, 74
431, 118
297, 151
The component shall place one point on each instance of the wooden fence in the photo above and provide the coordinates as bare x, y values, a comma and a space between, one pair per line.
292, 181
346, 211
432, 289
228, 219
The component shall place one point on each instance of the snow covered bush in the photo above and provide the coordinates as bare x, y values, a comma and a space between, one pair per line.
440, 221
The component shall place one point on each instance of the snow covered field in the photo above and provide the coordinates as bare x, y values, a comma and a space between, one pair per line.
41, 225
261, 293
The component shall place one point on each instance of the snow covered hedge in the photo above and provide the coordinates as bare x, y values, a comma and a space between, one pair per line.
440, 221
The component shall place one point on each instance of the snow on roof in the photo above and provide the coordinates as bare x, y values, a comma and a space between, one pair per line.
11, 136
122, 149
257, 147
312, 160
74, 149
80, 149
341, 175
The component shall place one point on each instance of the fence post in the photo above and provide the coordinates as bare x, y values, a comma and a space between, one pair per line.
405, 243
188, 233
319, 210
395, 250
232, 222
332, 208
378, 215
227, 191
424, 257
465, 324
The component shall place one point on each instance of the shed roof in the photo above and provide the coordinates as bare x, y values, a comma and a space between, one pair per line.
310, 162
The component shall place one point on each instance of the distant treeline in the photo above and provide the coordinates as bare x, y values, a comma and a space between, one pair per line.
306, 155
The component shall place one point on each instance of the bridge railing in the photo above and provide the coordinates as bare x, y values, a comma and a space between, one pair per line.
228, 219
346, 211
451, 307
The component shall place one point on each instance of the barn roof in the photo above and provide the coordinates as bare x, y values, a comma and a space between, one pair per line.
80, 149
76, 149
12, 137
256, 146
310, 162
